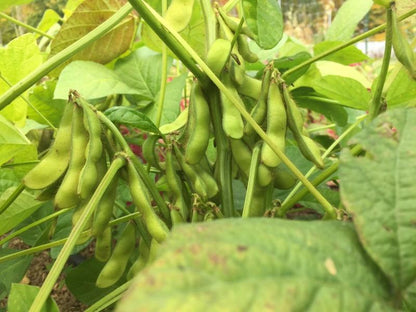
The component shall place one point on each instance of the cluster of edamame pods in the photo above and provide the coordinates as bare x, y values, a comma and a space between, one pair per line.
70, 173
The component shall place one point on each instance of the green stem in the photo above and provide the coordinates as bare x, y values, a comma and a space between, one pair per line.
30, 104
10, 199
223, 165
363, 36
148, 14
28, 27
323, 176
138, 165
36, 223
331, 213
109, 298
375, 104
98, 32
209, 19
230, 5
164, 75
330, 126
60, 261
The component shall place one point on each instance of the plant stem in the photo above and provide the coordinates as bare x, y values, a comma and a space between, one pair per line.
248, 209
109, 298
223, 165
98, 32
238, 104
346, 44
147, 13
28, 27
59, 263
325, 174
209, 18
138, 165
375, 104
33, 224
19, 189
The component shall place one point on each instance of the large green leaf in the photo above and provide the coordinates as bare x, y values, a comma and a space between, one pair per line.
19, 210
260, 265
19, 58
91, 80
142, 71
87, 16
265, 20
380, 191
347, 19
402, 89
346, 56
22, 296
131, 117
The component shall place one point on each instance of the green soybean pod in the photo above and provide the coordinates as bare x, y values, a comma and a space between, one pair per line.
104, 211
233, 23
259, 111
197, 183
283, 179
175, 184
198, 123
276, 126
245, 51
307, 146
67, 195
179, 13
211, 185
149, 150
232, 121
250, 87
141, 260
157, 229
116, 265
103, 242
218, 55
89, 179
56, 161
402, 48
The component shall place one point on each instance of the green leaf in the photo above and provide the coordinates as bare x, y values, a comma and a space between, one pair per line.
380, 191
19, 210
131, 117
87, 16
264, 18
12, 271
346, 56
49, 18
142, 71
5, 4
347, 19
286, 62
19, 58
308, 98
172, 100
402, 90
22, 296
260, 265
91, 80
81, 282
347, 91
41, 97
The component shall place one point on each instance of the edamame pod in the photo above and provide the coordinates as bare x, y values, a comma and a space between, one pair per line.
232, 121
103, 242
175, 185
402, 49
179, 14
245, 51
115, 266
233, 23
237, 72
259, 111
157, 229
141, 260
283, 179
276, 126
56, 161
149, 150
198, 126
218, 55
67, 195
307, 146
89, 179
250, 87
